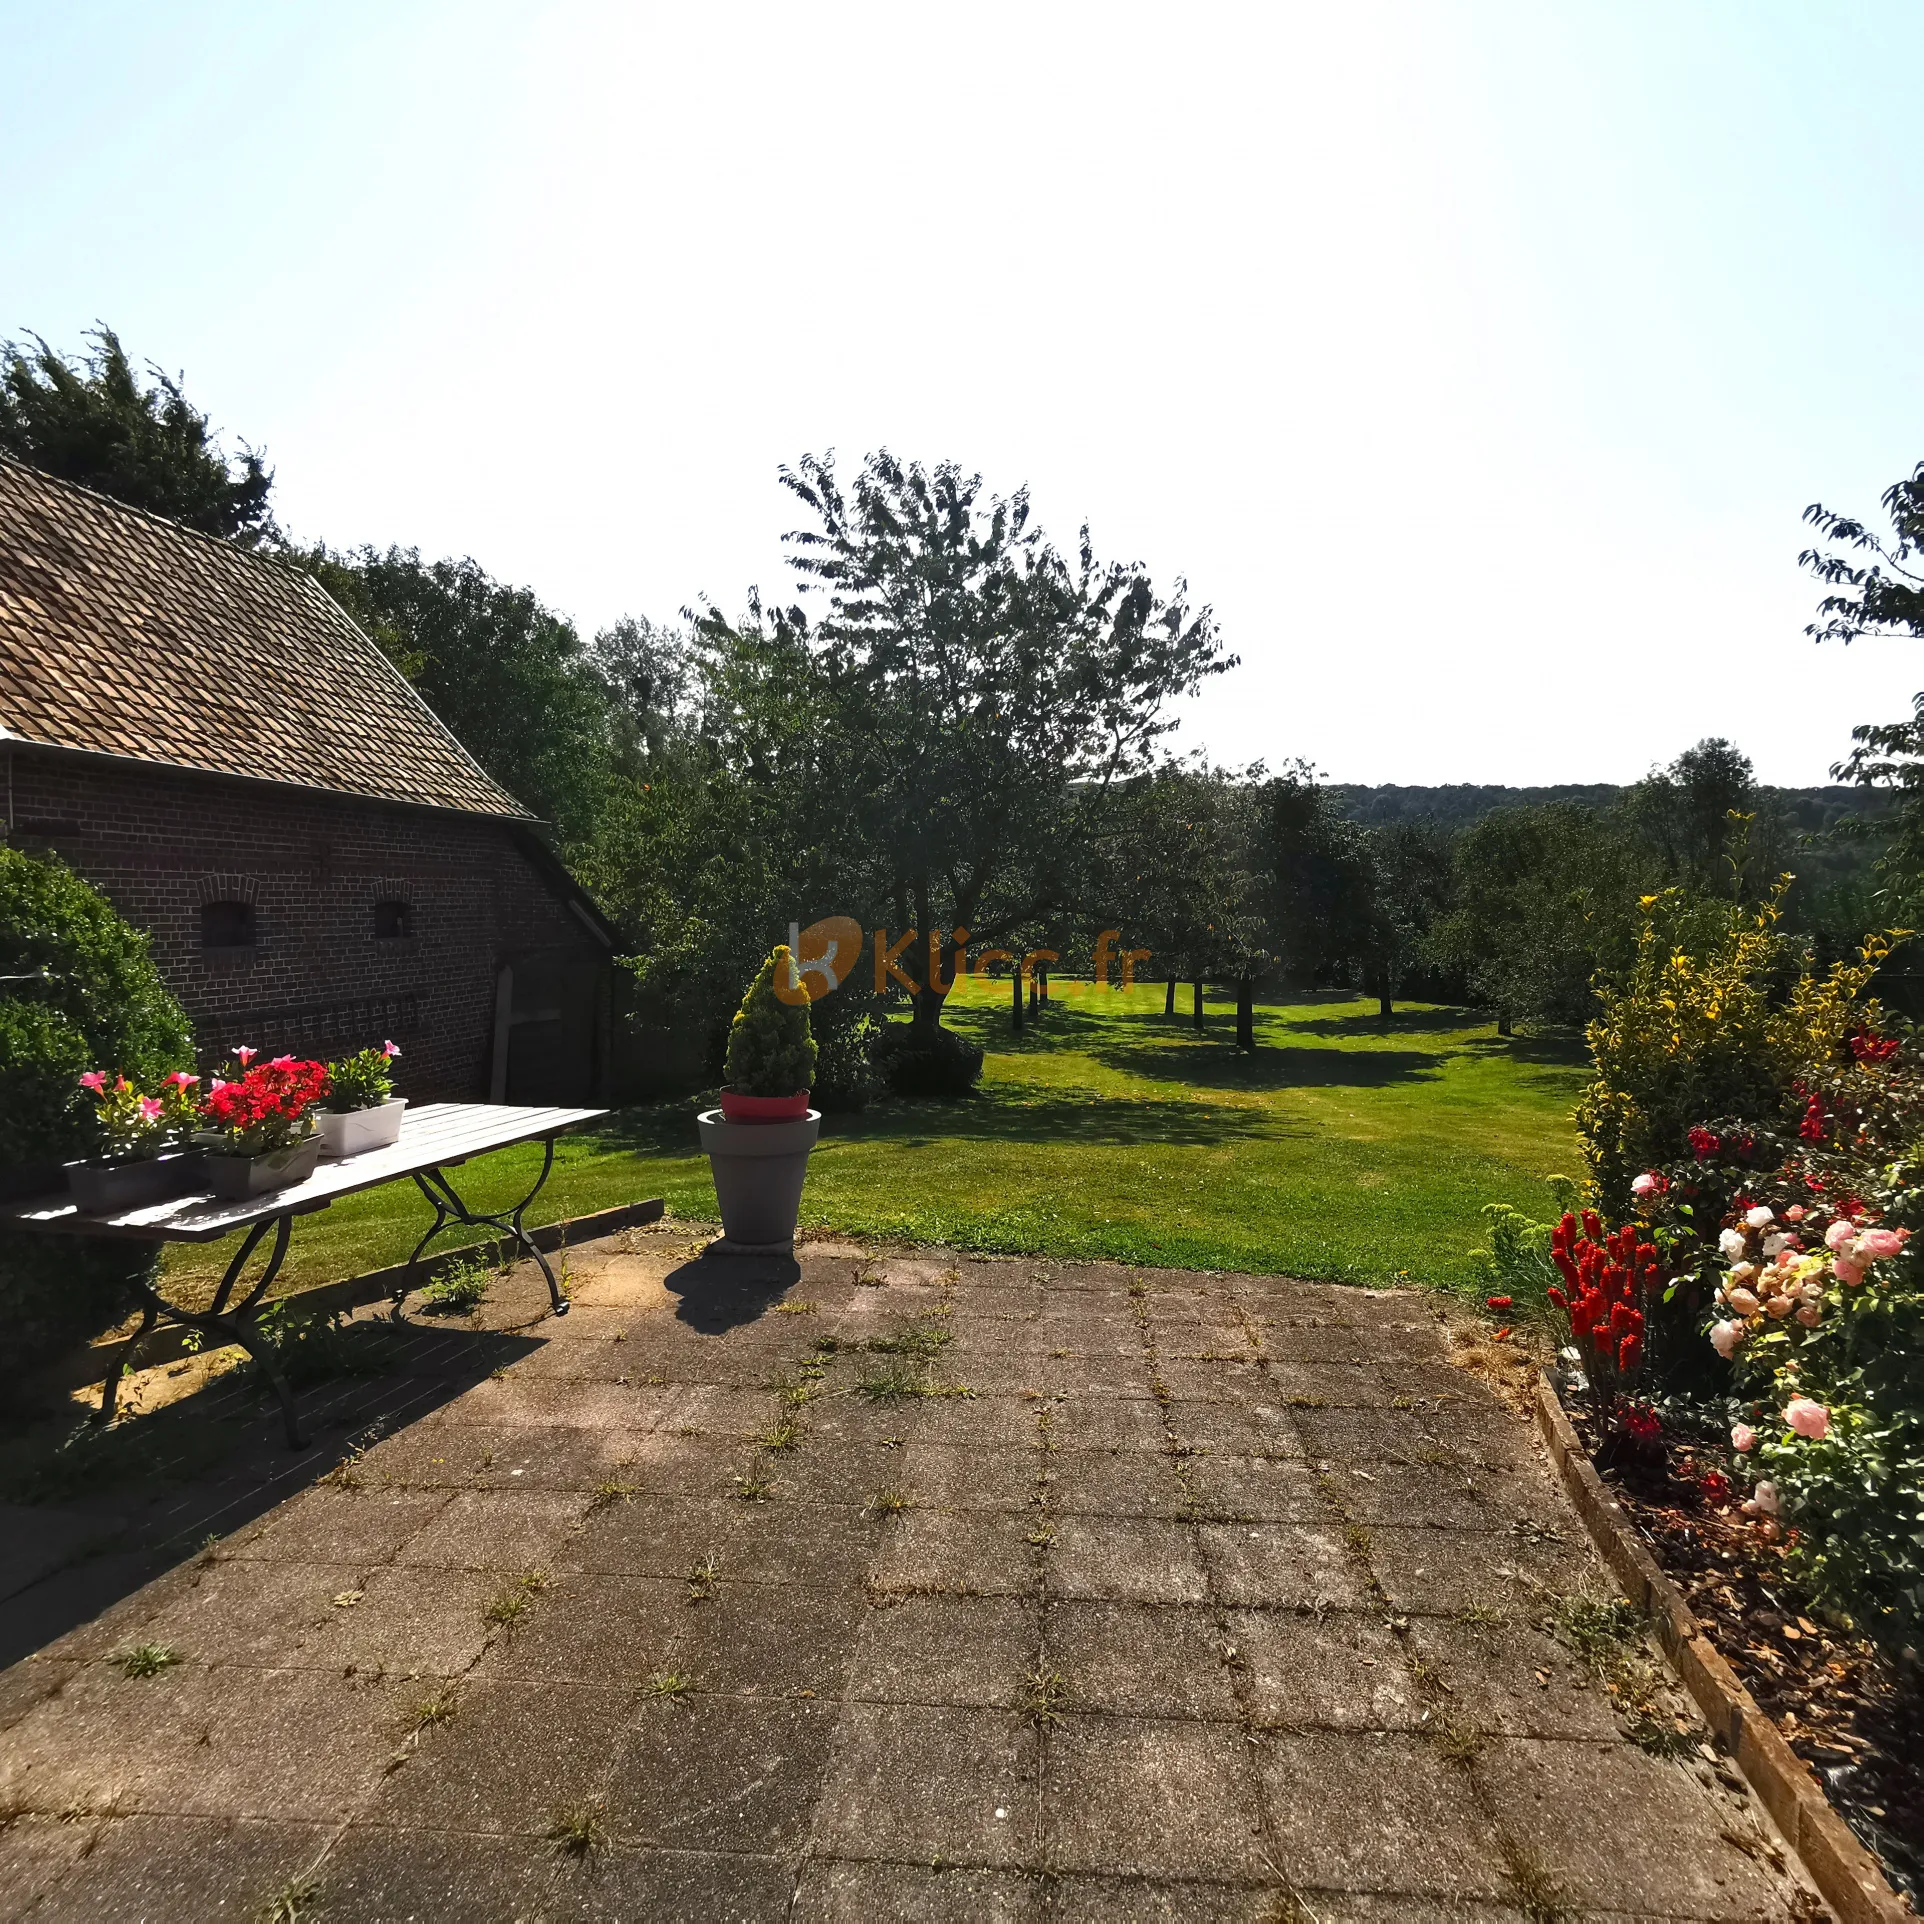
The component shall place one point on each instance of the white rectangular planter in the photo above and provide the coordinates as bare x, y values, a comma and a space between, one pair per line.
356, 1131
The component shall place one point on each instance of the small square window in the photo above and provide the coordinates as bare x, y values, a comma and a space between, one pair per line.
393, 921
227, 925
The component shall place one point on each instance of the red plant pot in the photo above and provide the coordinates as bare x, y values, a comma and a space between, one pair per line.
737, 1107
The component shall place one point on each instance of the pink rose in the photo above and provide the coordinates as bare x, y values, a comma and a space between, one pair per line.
1743, 1301
1778, 1306
94, 1079
1807, 1417
1743, 1438
1840, 1232
1879, 1243
1724, 1338
1810, 1315
1795, 1213
1646, 1185
1848, 1271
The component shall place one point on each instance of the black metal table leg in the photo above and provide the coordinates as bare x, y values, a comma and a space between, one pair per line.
450, 1210
220, 1325
110, 1389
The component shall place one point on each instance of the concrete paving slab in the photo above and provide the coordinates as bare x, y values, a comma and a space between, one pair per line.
1267, 1644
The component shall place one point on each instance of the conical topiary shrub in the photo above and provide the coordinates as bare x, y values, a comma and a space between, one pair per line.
770, 1049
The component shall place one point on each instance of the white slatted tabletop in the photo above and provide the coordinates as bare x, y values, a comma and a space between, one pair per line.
438, 1135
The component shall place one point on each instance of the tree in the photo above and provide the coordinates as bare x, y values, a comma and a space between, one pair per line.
89, 420
1543, 899
1881, 597
508, 676
975, 677
1706, 825
1408, 882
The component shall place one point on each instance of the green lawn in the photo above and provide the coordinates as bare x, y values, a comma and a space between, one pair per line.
1342, 1149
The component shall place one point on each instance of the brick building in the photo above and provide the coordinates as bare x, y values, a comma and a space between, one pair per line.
207, 737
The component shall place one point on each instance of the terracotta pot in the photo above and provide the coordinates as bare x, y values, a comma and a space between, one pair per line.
239, 1178
759, 1168
740, 1108
113, 1188
353, 1132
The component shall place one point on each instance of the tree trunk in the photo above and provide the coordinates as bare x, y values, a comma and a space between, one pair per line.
1503, 1025
1198, 1002
1245, 1015
1035, 994
1043, 975
1015, 995
926, 1012
1383, 1004
1169, 997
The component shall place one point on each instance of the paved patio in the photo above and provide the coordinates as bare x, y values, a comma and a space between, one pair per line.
895, 1586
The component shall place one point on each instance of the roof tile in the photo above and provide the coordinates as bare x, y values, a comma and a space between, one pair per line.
129, 635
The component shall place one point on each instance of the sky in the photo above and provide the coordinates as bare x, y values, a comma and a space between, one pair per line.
1474, 362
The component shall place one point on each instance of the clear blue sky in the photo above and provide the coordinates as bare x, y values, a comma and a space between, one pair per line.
1475, 361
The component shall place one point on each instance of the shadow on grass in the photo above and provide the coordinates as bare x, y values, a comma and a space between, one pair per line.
995, 1113
106, 1511
1273, 1066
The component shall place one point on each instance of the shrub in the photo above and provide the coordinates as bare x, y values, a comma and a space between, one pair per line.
1804, 1243
91, 998
1714, 1017
770, 1049
929, 1062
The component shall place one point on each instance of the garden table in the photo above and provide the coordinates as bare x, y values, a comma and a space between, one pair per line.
436, 1137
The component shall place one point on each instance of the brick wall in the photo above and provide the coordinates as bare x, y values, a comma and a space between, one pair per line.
317, 978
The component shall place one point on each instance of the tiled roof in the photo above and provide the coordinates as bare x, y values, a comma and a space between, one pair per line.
124, 634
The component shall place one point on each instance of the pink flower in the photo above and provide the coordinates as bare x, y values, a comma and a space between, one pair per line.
150, 1109
1807, 1417
1848, 1271
1878, 1243
180, 1079
1648, 1184
1810, 1315
245, 1055
1795, 1213
390, 1050
94, 1079
1778, 1306
1743, 1438
1743, 1301
1724, 1338
282, 1062
1840, 1232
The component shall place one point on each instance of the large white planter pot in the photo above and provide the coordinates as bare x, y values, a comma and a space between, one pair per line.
759, 1168
355, 1131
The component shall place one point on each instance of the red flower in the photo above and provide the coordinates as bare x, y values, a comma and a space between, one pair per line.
1703, 1145
1715, 1486
1870, 1048
1497, 1302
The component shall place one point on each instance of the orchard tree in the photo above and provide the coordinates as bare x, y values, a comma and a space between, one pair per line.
89, 419
978, 680
1879, 592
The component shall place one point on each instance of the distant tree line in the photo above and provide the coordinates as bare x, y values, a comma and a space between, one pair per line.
956, 726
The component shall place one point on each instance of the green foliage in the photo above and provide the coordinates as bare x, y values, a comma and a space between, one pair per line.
460, 1288
770, 1049
363, 1080
1717, 1015
89, 420
86, 995
927, 1062
1517, 1262
313, 1346
510, 678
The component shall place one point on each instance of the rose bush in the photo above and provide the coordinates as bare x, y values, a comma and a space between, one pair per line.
1803, 1244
